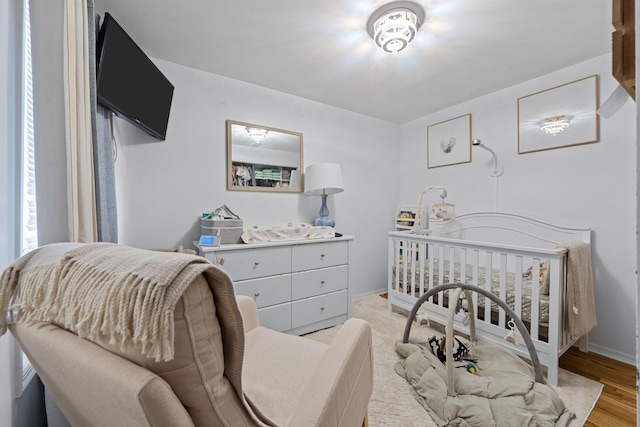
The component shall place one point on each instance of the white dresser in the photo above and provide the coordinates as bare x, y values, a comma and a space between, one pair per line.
298, 286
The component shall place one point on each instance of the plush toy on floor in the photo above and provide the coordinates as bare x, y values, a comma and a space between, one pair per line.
460, 351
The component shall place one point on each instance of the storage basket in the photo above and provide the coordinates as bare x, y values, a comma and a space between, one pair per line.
227, 230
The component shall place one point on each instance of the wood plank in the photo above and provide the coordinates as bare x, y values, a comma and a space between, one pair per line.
617, 403
623, 47
617, 17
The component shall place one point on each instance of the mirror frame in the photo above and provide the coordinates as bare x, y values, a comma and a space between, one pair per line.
230, 160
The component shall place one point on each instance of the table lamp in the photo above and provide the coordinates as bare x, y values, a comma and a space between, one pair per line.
322, 179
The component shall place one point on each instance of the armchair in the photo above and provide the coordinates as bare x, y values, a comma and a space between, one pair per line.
199, 358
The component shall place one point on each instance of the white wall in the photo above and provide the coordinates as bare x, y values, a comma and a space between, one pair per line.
164, 186
592, 185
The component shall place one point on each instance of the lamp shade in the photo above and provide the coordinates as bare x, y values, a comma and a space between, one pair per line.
323, 178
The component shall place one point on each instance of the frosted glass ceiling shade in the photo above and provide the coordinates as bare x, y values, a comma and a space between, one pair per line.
323, 178
394, 25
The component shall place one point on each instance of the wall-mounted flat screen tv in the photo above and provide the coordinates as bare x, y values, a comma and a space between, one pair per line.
129, 83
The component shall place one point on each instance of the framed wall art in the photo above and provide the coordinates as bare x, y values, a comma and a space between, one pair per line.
561, 116
449, 142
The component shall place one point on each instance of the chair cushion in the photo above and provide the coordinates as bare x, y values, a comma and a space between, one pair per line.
88, 382
196, 374
268, 355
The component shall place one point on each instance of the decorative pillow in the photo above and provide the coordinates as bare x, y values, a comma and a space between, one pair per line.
544, 276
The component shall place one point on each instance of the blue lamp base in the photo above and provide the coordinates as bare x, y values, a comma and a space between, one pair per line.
323, 219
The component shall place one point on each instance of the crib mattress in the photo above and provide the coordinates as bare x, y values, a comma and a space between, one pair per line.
525, 315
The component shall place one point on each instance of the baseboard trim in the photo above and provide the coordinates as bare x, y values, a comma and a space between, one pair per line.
613, 354
366, 294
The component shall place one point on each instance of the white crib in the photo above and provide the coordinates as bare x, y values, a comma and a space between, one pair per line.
515, 250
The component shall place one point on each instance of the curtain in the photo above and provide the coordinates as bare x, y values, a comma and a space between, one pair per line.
90, 164
80, 183
103, 151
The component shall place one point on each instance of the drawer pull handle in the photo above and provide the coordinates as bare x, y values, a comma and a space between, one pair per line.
321, 255
257, 263
257, 294
321, 308
322, 283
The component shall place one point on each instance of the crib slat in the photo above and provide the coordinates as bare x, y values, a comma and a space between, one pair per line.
474, 273
412, 268
432, 251
503, 288
451, 272
518, 285
405, 271
535, 299
440, 271
557, 307
487, 284
422, 255
396, 265
463, 266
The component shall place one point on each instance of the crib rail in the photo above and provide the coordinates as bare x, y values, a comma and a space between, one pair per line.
419, 263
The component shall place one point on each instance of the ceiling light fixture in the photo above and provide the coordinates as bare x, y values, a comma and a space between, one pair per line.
393, 25
257, 134
554, 125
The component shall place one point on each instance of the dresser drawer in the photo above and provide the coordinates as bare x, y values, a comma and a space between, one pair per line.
276, 317
317, 282
266, 291
255, 262
319, 255
316, 309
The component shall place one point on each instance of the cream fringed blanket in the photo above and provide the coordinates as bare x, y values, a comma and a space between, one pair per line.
94, 289
581, 315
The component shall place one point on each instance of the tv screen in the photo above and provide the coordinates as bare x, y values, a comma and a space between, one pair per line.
128, 83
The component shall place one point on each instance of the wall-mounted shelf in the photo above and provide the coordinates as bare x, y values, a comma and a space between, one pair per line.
405, 217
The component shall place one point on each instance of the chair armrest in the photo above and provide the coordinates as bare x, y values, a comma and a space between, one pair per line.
343, 380
248, 311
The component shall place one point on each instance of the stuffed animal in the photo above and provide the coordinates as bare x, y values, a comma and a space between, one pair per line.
438, 348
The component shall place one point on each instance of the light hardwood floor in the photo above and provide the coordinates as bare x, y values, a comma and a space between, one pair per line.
617, 403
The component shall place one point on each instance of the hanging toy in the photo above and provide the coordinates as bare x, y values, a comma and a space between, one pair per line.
511, 335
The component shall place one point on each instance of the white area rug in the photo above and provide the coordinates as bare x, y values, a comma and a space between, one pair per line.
392, 403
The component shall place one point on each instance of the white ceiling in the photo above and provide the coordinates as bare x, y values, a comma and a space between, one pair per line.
320, 49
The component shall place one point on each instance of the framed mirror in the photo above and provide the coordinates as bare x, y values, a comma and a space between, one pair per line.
262, 158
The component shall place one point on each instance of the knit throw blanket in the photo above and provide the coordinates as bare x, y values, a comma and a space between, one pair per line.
581, 311
93, 289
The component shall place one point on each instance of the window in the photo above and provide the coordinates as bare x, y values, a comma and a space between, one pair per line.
28, 222
29, 228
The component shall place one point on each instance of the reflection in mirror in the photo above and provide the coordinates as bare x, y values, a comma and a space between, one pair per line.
261, 158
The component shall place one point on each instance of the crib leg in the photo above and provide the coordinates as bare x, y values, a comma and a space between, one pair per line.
552, 372
583, 344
